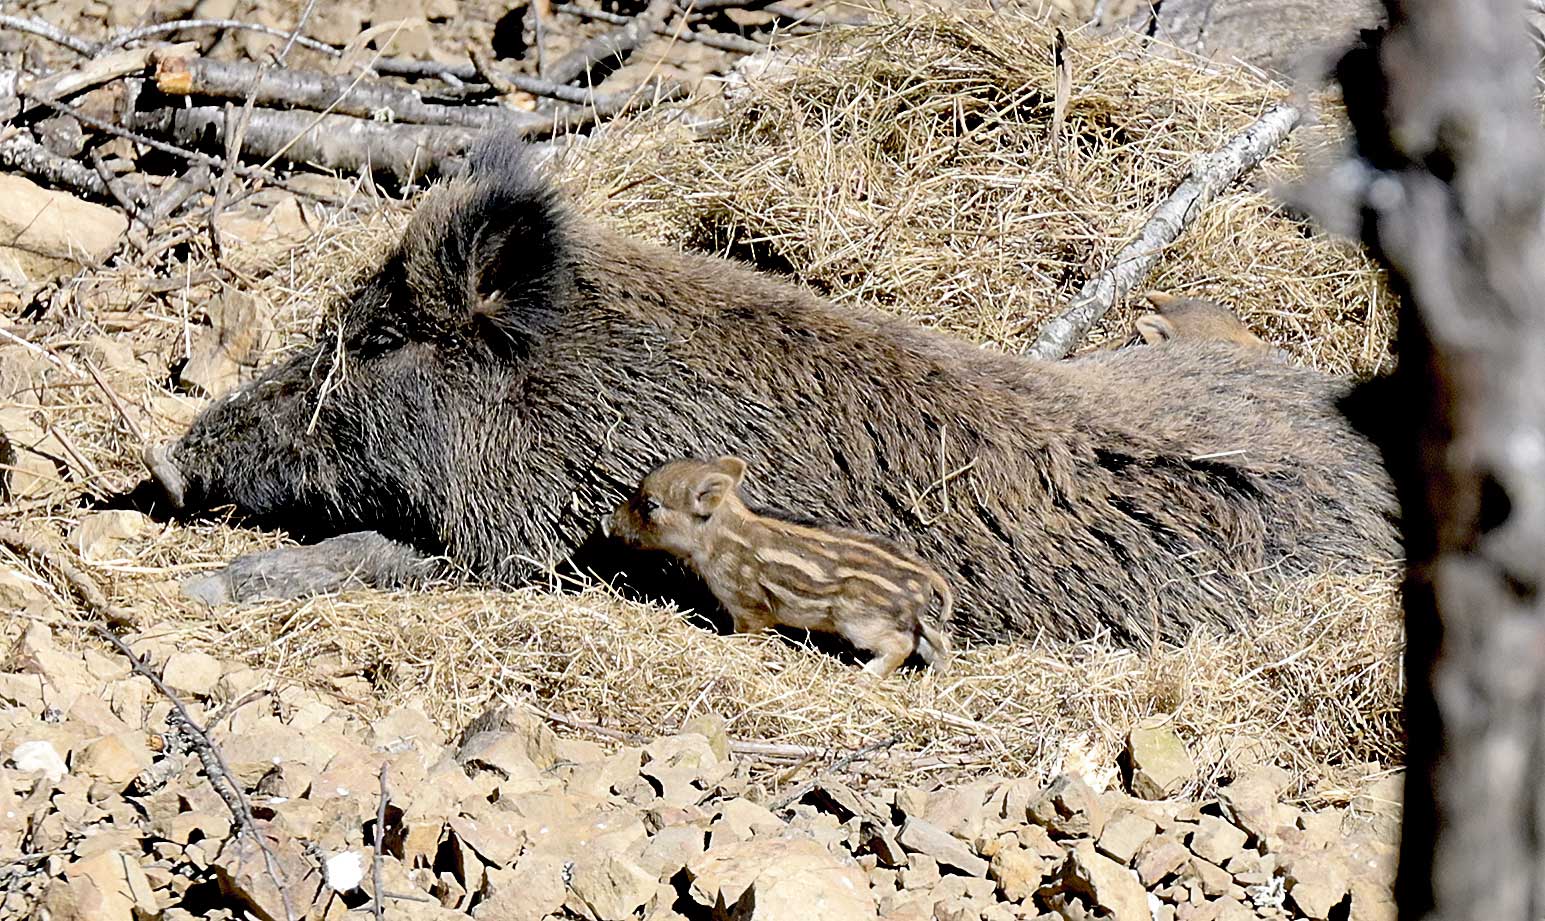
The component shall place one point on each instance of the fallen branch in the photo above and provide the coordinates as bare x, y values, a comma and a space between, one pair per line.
614, 46
1211, 175
80, 584
141, 33
215, 767
336, 142
317, 92
46, 30
717, 40
841, 764
96, 72
751, 749
22, 154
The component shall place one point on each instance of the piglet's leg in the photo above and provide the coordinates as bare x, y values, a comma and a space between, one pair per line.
890, 652
362, 558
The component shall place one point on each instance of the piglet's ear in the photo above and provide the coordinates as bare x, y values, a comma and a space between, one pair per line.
1155, 329
731, 466
710, 493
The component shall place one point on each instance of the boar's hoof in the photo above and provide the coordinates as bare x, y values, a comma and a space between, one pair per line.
159, 462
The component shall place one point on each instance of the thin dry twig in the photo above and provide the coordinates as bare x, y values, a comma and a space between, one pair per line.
718, 40
47, 30
836, 767
379, 906
614, 46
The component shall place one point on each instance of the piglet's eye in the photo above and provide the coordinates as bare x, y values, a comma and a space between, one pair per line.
650, 505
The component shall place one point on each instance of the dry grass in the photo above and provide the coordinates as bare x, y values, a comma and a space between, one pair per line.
912, 168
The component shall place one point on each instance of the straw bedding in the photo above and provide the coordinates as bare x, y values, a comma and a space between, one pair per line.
911, 166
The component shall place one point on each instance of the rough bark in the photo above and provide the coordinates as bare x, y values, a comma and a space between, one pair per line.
1454, 180
1211, 175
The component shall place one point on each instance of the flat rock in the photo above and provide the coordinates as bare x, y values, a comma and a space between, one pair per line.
1105, 883
1158, 759
782, 879
607, 887
43, 228
195, 674
1018, 872
229, 348
1124, 835
1216, 840
100, 534
920, 836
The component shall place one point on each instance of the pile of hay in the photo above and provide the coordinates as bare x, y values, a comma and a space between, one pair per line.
913, 166
909, 166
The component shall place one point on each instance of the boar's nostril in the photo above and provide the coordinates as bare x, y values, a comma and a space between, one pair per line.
158, 461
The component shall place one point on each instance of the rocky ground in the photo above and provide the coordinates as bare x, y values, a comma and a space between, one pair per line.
115, 807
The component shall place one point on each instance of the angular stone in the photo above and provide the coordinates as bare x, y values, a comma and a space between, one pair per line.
529, 891
498, 837
100, 534
670, 849
39, 756
781, 880
1212, 879
237, 337
1124, 835
740, 819
194, 674
1317, 886
1252, 801
1105, 884
115, 759
534, 737
505, 753
607, 887
1216, 840
923, 837
1018, 872
1159, 762
1160, 857
120, 882
1068, 808
243, 875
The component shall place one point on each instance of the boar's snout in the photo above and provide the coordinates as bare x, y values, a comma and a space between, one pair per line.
158, 460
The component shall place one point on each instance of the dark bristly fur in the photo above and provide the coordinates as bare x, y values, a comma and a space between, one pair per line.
512, 369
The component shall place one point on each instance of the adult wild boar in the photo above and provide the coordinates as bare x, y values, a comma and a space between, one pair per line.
511, 371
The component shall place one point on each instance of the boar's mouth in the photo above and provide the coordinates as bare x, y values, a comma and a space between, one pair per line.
158, 460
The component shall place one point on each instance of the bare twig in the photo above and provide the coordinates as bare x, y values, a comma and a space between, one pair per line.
96, 72
117, 404
841, 764
380, 836
1211, 175
615, 45
45, 30
115, 189
188, 25
300, 26
711, 39
752, 749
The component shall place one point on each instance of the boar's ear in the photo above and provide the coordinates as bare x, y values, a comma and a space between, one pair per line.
1155, 329
487, 253
710, 493
731, 466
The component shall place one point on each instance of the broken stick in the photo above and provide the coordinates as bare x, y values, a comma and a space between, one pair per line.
612, 46
1211, 175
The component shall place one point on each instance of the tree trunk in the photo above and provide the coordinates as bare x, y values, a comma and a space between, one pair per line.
1449, 135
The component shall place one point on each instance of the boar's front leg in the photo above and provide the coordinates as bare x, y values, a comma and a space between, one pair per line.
361, 558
